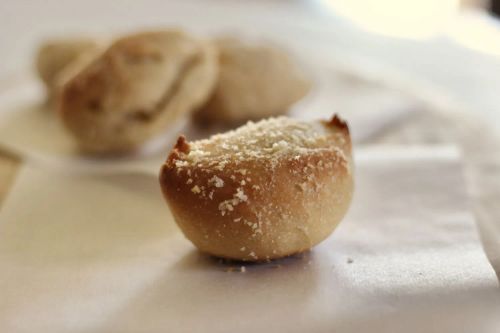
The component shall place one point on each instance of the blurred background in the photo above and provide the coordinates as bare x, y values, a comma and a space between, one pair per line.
447, 46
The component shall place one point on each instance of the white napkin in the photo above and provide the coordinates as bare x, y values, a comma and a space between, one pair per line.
102, 254
37, 136
481, 155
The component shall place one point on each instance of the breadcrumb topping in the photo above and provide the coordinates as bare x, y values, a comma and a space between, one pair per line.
216, 181
267, 139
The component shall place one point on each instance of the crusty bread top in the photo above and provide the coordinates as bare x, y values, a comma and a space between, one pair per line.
233, 168
264, 141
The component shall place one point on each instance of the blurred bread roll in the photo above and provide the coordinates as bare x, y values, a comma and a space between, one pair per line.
55, 56
263, 191
138, 87
255, 81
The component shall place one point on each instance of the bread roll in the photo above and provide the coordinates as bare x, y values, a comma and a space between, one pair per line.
54, 56
255, 81
136, 89
263, 191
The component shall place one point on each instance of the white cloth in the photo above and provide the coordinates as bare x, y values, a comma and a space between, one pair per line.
102, 254
481, 149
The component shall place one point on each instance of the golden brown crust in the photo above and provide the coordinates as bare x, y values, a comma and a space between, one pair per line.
268, 204
339, 123
255, 81
136, 89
